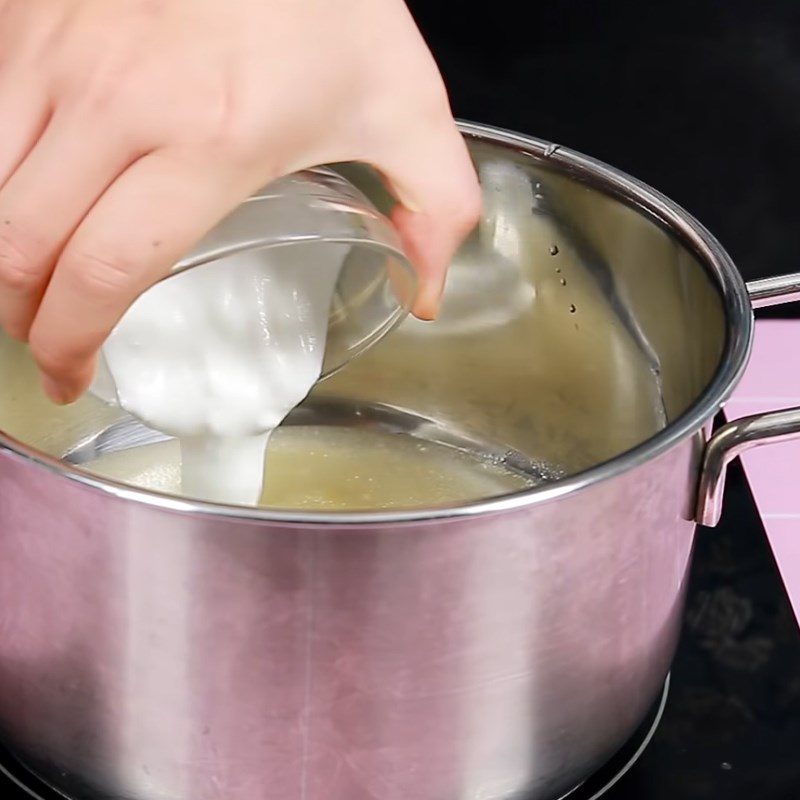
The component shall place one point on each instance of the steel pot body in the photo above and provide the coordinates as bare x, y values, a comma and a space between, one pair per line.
159, 649
152, 655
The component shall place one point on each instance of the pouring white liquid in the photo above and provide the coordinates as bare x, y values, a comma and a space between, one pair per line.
219, 355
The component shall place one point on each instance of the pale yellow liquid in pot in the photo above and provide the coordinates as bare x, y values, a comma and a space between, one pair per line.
337, 469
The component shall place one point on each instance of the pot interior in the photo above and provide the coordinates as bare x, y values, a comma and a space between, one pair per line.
575, 326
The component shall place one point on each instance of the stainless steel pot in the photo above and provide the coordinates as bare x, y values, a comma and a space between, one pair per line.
153, 648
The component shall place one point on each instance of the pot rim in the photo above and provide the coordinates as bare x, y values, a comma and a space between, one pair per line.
632, 192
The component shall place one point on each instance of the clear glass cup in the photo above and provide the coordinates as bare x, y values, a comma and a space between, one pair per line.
313, 209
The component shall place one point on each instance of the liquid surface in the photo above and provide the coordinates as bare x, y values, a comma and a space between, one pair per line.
337, 469
218, 356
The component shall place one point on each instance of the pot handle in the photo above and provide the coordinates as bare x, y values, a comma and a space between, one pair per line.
740, 435
729, 442
774, 291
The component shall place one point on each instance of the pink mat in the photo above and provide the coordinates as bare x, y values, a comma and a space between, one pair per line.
773, 471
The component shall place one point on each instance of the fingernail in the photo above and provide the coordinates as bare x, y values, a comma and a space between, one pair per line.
406, 202
56, 391
425, 313
428, 304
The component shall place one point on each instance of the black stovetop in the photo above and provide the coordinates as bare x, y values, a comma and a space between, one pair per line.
731, 725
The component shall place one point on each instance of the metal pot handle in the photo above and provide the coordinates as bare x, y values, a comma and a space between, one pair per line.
740, 435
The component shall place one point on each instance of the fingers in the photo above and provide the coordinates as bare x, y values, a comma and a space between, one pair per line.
432, 176
42, 203
23, 117
145, 222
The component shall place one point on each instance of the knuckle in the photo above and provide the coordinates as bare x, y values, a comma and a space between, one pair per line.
434, 100
20, 271
90, 94
103, 277
232, 137
233, 133
110, 85
469, 207
430, 101
405, 109
226, 122
461, 204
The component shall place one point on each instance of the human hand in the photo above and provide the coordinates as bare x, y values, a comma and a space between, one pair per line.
131, 127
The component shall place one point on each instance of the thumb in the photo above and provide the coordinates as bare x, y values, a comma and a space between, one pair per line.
439, 202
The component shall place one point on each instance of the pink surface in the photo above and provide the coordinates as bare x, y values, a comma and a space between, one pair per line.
774, 471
